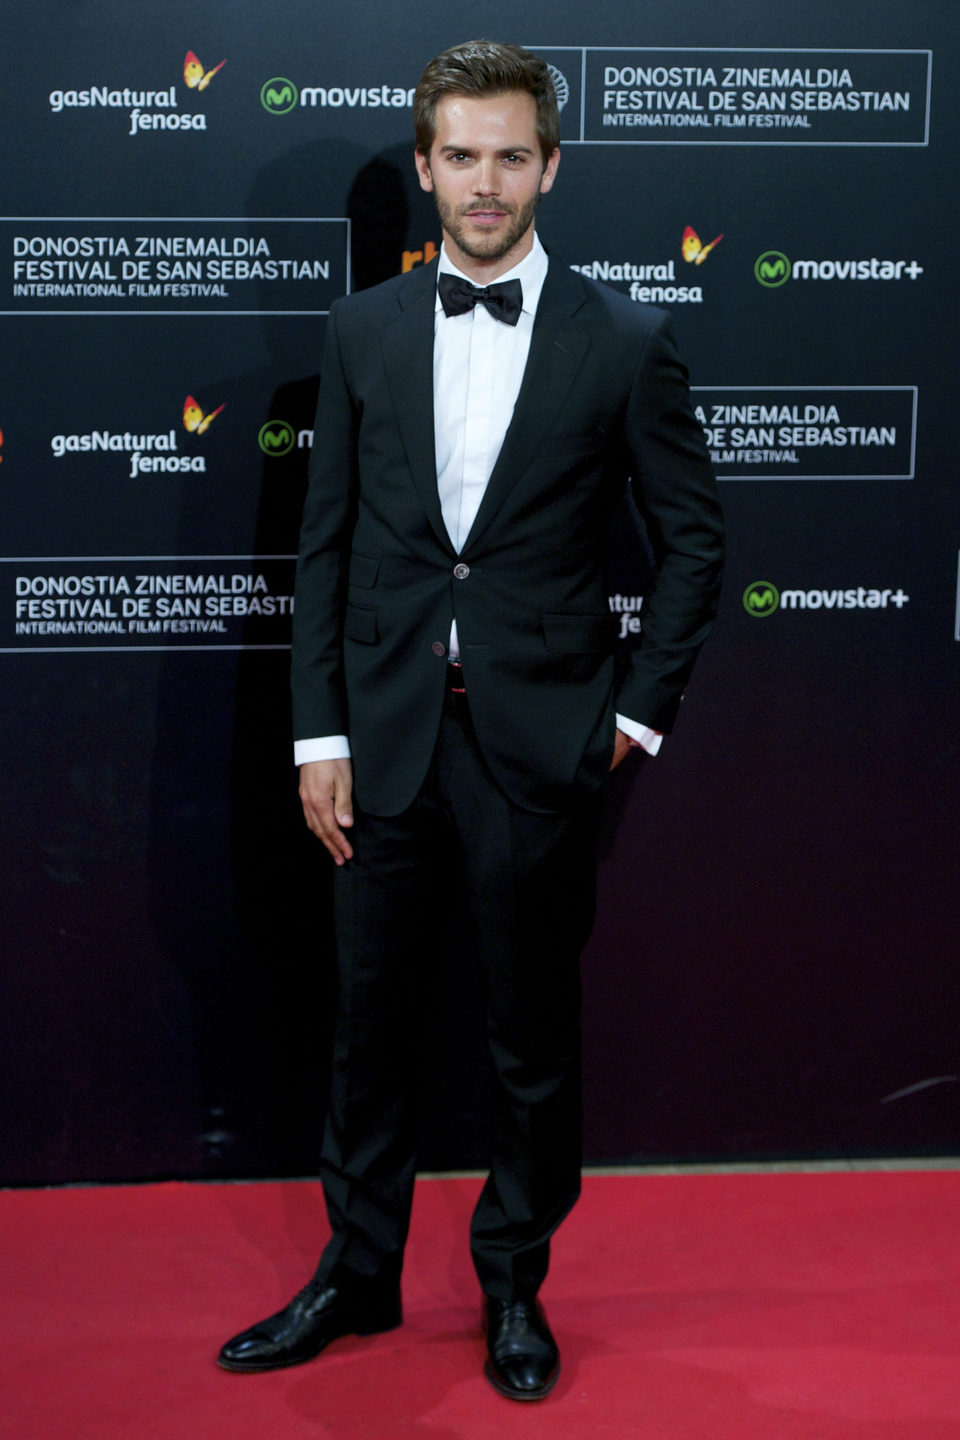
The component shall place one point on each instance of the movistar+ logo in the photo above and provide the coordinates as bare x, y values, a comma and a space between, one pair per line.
773, 269
276, 438
278, 96
762, 598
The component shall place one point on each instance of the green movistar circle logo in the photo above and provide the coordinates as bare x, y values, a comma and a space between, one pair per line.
276, 438
761, 598
772, 268
278, 95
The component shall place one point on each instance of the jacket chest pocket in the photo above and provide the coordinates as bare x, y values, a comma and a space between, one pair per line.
364, 570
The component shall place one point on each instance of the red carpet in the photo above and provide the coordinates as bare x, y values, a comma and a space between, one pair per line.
692, 1307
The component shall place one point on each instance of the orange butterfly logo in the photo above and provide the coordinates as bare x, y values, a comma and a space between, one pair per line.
193, 72
692, 248
194, 419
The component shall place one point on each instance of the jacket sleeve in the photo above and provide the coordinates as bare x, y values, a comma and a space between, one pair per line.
319, 705
676, 493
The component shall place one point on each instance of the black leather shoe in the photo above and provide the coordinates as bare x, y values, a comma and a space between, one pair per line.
318, 1314
524, 1362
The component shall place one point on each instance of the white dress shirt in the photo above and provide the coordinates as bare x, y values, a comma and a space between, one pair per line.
478, 365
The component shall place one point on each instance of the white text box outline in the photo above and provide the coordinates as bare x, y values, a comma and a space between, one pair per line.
113, 560
743, 50
912, 390
181, 220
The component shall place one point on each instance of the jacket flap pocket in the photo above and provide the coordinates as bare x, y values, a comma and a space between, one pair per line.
578, 634
363, 570
360, 625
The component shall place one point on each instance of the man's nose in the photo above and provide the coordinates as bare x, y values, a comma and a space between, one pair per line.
486, 180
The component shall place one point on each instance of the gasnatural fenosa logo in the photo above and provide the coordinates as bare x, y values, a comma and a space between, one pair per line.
149, 454
146, 109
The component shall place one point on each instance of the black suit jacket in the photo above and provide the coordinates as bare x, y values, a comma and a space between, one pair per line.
604, 397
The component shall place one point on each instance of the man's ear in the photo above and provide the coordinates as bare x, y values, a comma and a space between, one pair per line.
423, 170
549, 172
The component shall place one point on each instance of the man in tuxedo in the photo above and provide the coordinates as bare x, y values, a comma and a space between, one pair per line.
453, 681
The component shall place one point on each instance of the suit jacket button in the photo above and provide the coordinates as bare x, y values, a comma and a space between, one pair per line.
438, 647
461, 571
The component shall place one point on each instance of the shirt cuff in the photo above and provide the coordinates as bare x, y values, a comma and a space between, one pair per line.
321, 747
641, 735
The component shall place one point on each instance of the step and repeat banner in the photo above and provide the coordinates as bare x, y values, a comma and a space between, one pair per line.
183, 195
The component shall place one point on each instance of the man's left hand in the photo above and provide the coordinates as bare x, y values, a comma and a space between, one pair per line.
621, 748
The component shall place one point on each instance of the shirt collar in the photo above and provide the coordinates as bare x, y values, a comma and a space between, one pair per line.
531, 272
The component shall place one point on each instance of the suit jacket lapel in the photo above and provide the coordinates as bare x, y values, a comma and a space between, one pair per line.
557, 347
407, 343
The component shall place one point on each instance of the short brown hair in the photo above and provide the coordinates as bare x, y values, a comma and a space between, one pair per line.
480, 68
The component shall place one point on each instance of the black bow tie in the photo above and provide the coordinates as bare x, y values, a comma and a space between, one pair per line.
504, 301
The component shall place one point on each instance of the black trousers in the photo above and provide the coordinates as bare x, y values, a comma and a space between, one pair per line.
528, 886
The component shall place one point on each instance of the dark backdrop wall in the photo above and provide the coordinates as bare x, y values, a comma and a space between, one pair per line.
774, 969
